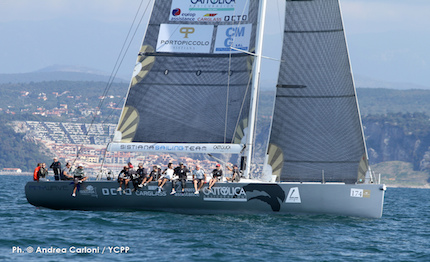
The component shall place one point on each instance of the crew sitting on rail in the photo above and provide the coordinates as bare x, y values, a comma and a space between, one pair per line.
216, 176
123, 178
180, 172
166, 176
153, 176
199, 179
137, 176
235, 177
78, 178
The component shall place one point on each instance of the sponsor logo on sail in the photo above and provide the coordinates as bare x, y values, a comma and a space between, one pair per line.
176, 38
213, 2
186, 31
176, 12
209, 10
209, 18
235, 18
229, 37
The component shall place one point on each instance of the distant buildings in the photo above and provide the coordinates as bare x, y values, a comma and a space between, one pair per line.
86, 144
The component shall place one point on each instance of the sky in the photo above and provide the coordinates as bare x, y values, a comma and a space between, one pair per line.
388, 40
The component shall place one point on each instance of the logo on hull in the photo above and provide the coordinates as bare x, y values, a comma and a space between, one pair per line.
293, 196
236, 194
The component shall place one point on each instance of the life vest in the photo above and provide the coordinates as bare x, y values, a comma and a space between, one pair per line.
36, 174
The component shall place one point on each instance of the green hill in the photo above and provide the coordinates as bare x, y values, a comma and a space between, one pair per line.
18, 152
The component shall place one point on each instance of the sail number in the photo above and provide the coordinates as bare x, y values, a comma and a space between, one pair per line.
355, 192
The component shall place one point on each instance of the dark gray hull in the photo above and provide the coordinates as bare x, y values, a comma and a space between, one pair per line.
285, 198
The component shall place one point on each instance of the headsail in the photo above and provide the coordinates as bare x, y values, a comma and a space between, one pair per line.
189, 86
316, 122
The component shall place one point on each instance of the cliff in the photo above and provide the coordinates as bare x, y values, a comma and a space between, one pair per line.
399, 137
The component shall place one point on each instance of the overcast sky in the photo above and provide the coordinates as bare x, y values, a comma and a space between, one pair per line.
388, 40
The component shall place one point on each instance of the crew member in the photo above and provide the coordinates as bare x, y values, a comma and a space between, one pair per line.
216, 176
64, 175
78, 178
166, 176
199, 179
181, 172
235, 177
43, 172
56, 167
123, 178
154, 175
36, 172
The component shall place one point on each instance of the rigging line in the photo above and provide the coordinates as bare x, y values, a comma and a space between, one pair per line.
240, 22
112, 75
256, 120
115, 70
253, 54
128, 47
243, 103
228, 80
279, 17
227, 97
229, 75
120, 54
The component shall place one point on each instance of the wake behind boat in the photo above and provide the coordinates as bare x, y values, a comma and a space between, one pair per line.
195, 90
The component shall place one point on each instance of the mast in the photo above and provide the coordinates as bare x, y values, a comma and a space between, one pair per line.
255, 89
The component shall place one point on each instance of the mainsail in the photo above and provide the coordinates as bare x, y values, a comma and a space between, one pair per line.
191, 82
316, 131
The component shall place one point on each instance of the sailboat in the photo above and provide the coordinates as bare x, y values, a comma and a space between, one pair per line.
194, 90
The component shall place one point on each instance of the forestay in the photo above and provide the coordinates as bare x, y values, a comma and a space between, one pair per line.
189, 86
316, 130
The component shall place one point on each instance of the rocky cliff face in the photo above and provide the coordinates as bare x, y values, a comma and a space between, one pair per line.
399, 138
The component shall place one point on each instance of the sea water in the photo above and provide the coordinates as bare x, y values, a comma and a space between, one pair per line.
29, 233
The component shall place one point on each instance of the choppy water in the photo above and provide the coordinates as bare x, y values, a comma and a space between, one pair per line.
402, 234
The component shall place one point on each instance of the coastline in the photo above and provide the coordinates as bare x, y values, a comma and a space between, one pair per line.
16, 174
426, 186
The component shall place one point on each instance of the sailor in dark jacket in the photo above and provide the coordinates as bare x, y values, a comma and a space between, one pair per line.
180, 172
56, 167
154, 175
138, 176
123, 178
216, 176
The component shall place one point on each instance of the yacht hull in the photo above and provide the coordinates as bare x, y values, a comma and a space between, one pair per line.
358, 200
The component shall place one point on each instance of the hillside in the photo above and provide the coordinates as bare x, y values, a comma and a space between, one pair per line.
396, 122
401, 174
18, 152
382, 101
59, 73
62, 100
